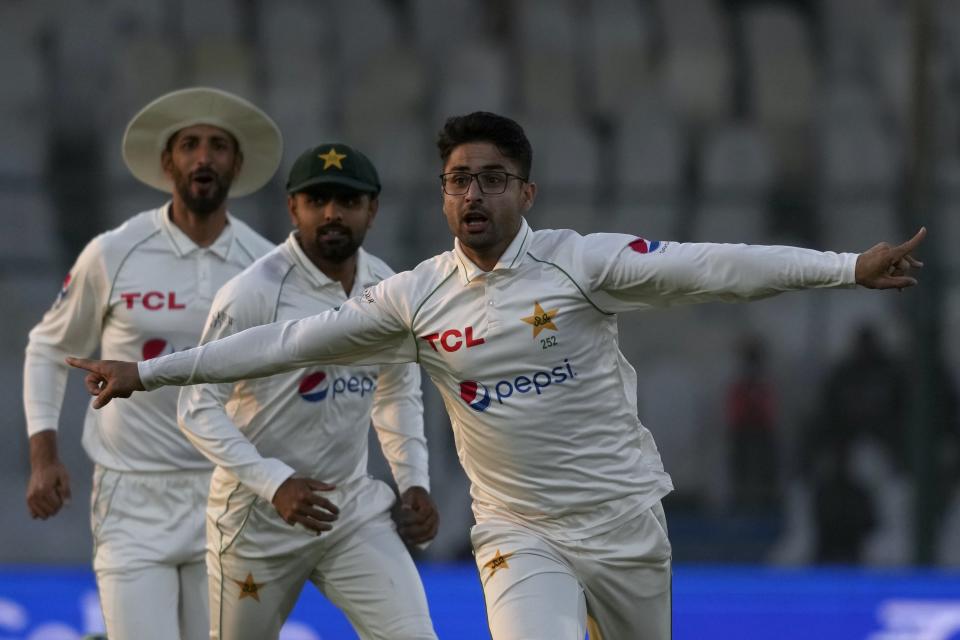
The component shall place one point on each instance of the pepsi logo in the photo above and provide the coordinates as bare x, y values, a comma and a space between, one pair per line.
640, 245
475, 394
154, 347
312, 387
316, 386
478, 398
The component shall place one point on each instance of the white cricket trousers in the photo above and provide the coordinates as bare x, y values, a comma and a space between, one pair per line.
258, 565
148, 535
617, 584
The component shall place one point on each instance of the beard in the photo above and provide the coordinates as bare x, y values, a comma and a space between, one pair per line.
337, 246
210, 197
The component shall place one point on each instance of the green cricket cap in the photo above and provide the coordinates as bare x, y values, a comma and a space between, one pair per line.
333, 163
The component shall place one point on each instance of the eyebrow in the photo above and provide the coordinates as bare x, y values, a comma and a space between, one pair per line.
486, 167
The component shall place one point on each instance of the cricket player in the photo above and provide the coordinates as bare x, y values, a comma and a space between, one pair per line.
518, 330
140, 291
291, 499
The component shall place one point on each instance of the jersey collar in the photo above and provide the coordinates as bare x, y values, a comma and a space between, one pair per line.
317, 277
182, 243
511, 258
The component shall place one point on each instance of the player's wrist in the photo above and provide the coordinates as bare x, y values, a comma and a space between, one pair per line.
43, 449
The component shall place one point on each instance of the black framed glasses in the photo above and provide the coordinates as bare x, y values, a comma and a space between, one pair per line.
457, 183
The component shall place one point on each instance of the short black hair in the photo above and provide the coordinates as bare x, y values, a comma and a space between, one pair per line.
482, 126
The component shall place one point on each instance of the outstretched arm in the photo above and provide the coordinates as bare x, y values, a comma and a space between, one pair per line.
359, 332
624, 275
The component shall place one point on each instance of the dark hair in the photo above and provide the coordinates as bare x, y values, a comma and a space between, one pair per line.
483, 126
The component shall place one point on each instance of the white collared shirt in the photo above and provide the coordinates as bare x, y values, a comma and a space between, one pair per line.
543, 403
139, 291
314, 421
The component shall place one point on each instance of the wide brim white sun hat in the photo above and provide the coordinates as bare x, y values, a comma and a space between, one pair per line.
148, 132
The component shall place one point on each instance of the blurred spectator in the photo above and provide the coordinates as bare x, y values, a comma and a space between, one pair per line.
864, 396
751, 419
844, 513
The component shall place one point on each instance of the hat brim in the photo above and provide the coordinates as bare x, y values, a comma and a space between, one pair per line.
148, 132
341, 181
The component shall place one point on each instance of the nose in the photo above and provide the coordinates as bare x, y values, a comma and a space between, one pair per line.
204, 154
331, 211
473, 190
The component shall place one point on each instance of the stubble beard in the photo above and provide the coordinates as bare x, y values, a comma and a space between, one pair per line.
199, 204
337, 252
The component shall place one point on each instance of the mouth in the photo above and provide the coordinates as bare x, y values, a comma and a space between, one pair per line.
204, 178
475, 222
333, 234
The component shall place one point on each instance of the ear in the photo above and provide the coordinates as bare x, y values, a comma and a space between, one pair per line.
292, 209
372, 209
238, 162
529, 195
166, 163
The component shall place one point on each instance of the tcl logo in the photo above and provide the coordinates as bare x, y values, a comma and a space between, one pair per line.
153, 300
453, 339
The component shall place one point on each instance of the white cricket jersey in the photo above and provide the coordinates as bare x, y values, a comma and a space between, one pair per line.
542, 401
314, 421
139, 291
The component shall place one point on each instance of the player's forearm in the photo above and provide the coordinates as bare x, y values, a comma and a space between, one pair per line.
207, 426
44, 383
334, 337
253, 353
406, 453
691, 272
43, 449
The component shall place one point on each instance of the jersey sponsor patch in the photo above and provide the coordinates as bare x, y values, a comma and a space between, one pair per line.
453, 339
316, 386
156, 347
642, 245
152, 300
475, 394
478, 396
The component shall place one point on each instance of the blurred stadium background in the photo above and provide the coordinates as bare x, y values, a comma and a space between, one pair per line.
833, 125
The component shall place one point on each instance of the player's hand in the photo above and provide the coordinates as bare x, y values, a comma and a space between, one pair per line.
48, 490
416, 516
108, 379
299, 500
49, 486
886, 267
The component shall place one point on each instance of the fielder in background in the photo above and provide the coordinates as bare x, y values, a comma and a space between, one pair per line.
518, 330
291, 499
139, 291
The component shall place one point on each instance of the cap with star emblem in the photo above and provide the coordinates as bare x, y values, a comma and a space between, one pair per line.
333, 164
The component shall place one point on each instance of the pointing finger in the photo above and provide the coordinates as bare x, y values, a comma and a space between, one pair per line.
83, 363
912, 243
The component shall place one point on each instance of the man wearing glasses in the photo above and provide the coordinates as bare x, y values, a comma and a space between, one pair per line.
518, 330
